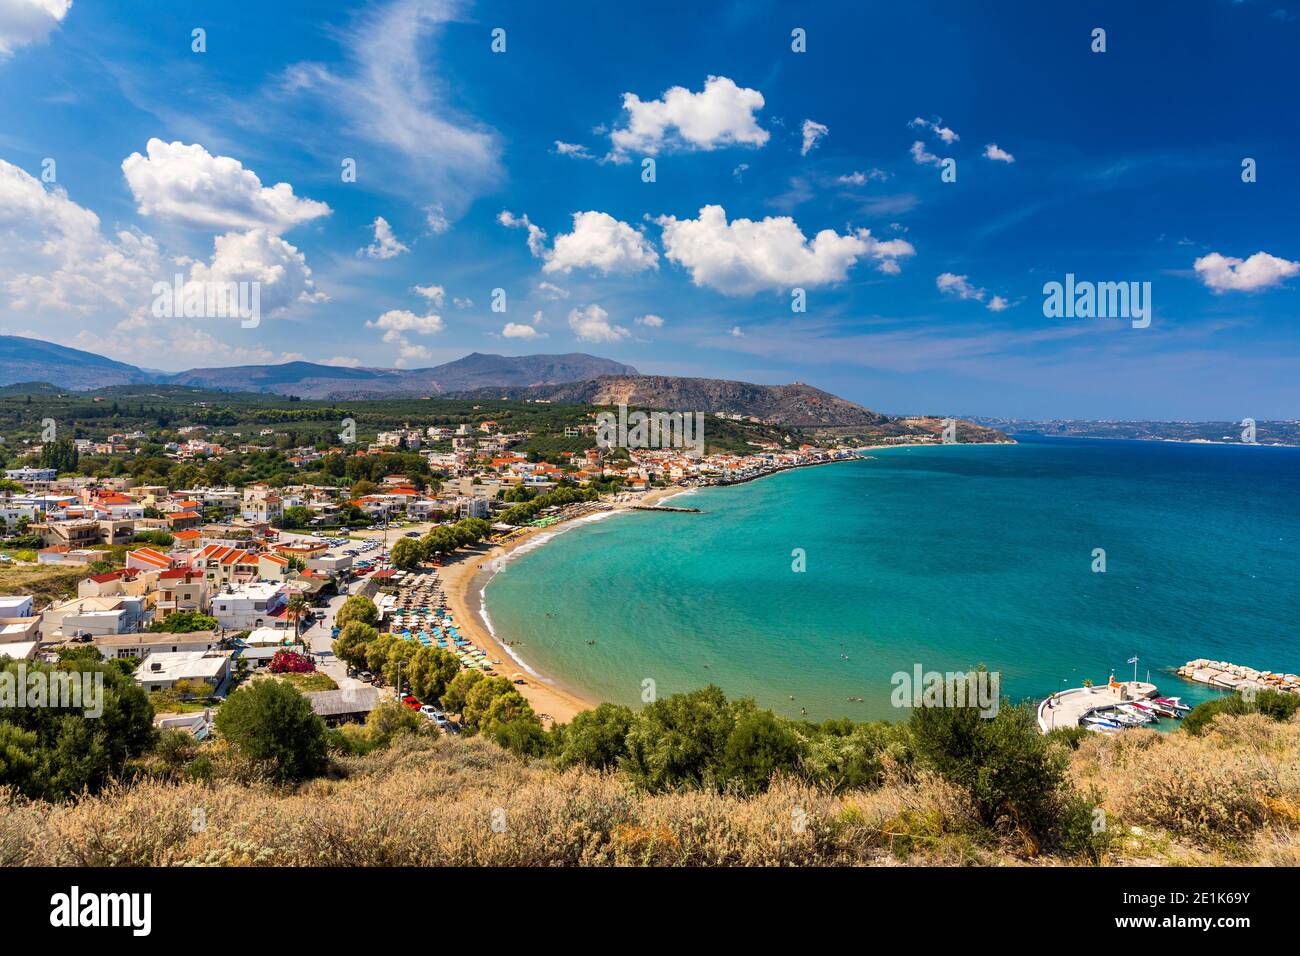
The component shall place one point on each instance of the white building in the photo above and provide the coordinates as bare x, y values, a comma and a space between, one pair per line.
162, 670
250, 606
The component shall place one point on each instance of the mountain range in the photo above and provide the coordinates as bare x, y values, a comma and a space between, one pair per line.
571, 378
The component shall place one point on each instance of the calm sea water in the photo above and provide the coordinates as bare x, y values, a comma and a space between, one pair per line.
947, 557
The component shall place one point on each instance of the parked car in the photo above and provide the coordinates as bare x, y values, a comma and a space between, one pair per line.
366, 676
412, 534
433, 713
411, 702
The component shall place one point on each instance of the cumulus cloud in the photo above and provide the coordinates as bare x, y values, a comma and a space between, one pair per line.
601, 243
536, 234
722, 114
396, 323
436, 294
259, 255
342, 361
591, 324
813, 133
962, 288
517, 330
994, 151
1227, 274
651, 321
55, 258
572, 149
936, 128
386, 245
187, 184
54, 255
23, 22
743, 256
922, 157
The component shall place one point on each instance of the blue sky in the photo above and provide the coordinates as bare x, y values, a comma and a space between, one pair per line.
774, 170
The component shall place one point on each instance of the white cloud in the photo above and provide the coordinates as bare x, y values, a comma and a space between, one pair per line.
55, 260
572, 149
859, 178
187, 184
813, 133
994, 151
736, 332
460, 303
386, 245
651, 321
548, 290
591, 324
937, 128
960, 286
536, 234
434, 293
922, 157
390, 90
54, 256
720, 115
403, 320
1261, 271
259, 255
516, 330
739, 171
436, 218
602, 243
342, 361
744, 256
396, 323
23, 22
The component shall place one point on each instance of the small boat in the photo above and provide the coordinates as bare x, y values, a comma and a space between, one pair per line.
1175, 702
1101, 723
1164, 710
1135, 713
1123, 719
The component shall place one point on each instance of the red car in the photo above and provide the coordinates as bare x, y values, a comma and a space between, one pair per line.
411, 702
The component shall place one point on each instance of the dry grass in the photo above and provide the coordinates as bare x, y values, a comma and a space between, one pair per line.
1230, 797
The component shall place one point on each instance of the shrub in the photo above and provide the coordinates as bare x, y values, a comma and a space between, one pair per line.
271, 723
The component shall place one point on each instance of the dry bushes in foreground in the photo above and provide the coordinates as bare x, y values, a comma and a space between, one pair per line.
1230, 796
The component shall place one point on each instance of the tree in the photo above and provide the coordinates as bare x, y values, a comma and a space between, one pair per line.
1012, 775
357, 608
406, 554
391, 719
396, 666
183, 622
55, 753
431, 670
295, 516
679, 740
760, 745
454, 697
594, 738
271, 722
350, 645
296, 606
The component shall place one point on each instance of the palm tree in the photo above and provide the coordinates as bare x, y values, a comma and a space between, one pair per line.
295, 607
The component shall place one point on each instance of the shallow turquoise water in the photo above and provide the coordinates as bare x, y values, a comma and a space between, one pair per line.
947, 557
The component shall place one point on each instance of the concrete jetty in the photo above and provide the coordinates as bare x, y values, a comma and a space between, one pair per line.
1237, 676
1068, 707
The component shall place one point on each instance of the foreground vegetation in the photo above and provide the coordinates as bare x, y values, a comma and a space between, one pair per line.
694, 779
424, 801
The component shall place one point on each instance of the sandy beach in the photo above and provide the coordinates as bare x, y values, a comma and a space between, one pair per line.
463, 576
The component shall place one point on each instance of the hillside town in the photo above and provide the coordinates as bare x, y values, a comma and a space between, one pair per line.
198, 587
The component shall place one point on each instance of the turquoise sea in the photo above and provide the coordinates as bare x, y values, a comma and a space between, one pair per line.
945, 556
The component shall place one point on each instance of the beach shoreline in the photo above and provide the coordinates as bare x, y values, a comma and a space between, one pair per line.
465, 575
